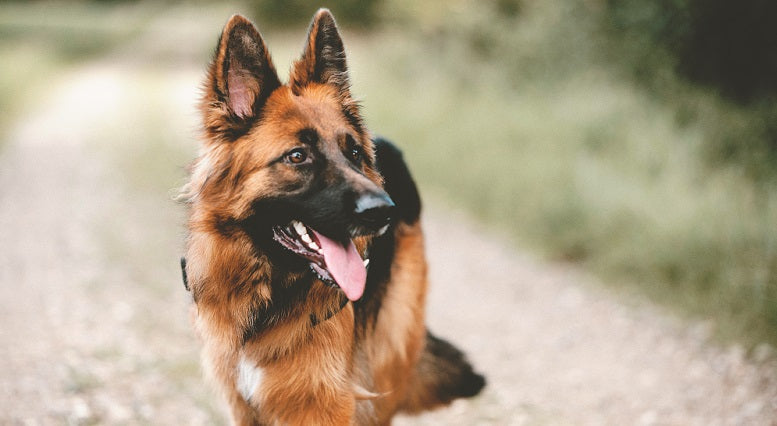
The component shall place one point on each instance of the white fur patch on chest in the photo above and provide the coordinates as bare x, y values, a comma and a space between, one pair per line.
249, 378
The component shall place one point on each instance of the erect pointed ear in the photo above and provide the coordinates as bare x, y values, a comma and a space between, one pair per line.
240, 79
323, 60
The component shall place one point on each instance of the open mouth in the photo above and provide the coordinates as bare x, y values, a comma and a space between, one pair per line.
334, 263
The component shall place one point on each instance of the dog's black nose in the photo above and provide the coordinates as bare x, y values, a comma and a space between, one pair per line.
374, 210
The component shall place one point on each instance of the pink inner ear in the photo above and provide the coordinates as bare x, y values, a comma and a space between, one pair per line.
241, 96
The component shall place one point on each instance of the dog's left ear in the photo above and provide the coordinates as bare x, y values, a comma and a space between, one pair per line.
240, 79
323, 60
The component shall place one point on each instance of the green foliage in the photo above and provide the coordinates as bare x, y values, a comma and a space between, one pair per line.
522, 119
726, 46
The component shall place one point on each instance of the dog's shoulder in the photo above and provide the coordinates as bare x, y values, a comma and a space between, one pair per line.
397, 180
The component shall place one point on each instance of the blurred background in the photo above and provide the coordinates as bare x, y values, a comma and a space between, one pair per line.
634, 141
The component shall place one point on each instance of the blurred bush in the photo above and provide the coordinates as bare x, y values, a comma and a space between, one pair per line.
710, 61
355, 13
590, 146
730, 47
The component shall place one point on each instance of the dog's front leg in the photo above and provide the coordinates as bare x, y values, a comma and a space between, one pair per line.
223, 368
242, 413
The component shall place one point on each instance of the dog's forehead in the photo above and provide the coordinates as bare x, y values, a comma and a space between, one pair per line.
316, 107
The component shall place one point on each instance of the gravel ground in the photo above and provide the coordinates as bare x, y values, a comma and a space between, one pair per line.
94, 317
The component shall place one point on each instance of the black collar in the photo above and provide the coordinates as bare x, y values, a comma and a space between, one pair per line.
314, 321
183, 273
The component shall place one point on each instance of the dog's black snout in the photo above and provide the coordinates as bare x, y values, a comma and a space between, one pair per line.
374, 209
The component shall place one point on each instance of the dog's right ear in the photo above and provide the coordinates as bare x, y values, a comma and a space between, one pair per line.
240, 79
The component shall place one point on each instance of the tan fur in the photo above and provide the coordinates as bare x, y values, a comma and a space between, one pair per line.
393, 349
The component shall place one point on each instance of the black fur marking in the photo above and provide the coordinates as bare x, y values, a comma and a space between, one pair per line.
352, 147
322, 206
285, 298
308, 136
381, 257
259, 228
397, 180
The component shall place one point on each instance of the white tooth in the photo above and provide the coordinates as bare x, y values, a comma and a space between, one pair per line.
383, 230
313, 245
320, 251
306, 238
366, 262
299, 227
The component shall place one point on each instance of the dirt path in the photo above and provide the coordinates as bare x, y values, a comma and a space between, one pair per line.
559, 350
86, 336
94, 314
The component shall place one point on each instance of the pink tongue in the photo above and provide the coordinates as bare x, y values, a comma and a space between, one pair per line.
345, 265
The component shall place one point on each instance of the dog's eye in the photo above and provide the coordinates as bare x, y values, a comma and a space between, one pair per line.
297, 156
356, 155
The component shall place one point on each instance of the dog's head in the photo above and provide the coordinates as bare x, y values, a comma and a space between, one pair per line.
291, 164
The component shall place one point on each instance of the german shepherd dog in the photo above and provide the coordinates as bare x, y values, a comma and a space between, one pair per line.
305, 256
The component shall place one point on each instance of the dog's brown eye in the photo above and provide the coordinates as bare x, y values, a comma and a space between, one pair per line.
356, 155
297, 156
